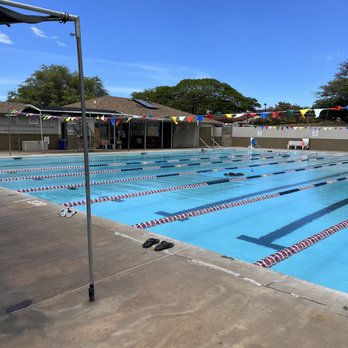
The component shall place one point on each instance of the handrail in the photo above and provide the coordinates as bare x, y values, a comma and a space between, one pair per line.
218, 145
205, 143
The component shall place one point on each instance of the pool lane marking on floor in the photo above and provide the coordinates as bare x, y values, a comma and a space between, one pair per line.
185, 187
212, 209
268, 239
120, 170
114, 181
285, 253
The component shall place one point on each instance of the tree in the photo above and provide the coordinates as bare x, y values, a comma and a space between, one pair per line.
55, 85
161, 95
335, 92
283, 106
198, 96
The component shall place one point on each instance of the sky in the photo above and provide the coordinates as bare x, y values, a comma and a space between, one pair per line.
270, 50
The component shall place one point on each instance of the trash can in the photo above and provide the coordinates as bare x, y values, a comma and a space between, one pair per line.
63, 144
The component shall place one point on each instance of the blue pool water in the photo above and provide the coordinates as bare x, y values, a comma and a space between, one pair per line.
248, 232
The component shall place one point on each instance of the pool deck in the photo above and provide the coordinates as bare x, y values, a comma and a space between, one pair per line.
181, 297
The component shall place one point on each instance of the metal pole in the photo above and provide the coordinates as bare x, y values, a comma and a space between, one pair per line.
232, 134
18, 141
63, 15
194, 137
114, 147
162, 134
144, 134
86, 162
42, 145
41, 132
9, 135
171, 135
129, 128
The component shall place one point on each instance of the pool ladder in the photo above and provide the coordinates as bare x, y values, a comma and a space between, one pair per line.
205, 143
217, 144
213, 140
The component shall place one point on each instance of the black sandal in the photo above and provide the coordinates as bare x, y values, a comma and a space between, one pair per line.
164, 245
150, 242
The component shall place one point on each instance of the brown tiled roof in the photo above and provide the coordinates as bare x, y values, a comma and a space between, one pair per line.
131, 107
5, 107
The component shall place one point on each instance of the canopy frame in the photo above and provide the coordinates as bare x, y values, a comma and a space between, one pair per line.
9, 17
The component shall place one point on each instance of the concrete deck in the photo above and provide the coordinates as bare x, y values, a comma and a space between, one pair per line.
182, 297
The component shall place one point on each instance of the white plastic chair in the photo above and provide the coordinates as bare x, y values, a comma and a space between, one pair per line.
305, 143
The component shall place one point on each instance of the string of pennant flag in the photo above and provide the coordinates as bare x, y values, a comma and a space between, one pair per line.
276, 114
114, 119
117, 119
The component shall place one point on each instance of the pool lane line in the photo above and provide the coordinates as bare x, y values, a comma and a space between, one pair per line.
212, 209
21, 170
186, 187
254, 157
252, 194
108, 171
285, 253
114, 181
195, 157
61, 175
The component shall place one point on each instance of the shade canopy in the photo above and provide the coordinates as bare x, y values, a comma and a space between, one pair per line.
8, 17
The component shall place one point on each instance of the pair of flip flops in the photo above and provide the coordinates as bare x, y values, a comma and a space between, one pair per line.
67, 212
161, 246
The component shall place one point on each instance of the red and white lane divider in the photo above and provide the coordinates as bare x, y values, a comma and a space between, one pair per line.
62, 175
134, 194
211, 209
182, 187
21, 170
198, 212
283, 254
92, 183
112, 164
107, 171
113, 181
116, 164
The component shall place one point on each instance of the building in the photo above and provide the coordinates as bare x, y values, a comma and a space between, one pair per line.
113, 122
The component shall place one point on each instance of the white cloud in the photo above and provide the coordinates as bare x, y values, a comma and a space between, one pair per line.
60, 44
329, 58
164, 74
5, 39
39, 33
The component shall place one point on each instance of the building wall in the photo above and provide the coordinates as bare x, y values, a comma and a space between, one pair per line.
14, 130
185, 135
321, 138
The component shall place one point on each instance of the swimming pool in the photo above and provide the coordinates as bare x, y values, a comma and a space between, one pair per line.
239, 203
